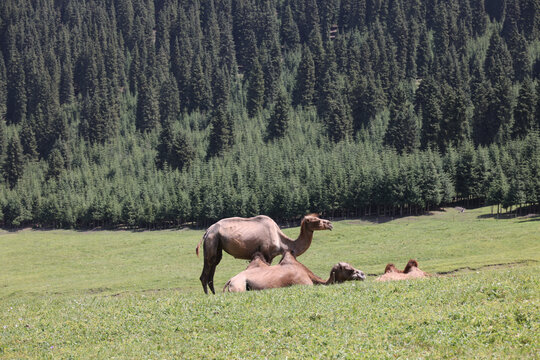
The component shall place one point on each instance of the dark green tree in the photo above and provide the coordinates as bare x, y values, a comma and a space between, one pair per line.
255, 90
279, 120
290, 36
480, 18
147, 113
67, 91
402, 132
200, 92
423, 53
498, 59
520, 55
28, 141
500, 110
367, 99
466, 172
14, 165
16, 89
428, 104
174, 148
304, 91
333, 107
524, 111
169, 100
3, 142
3, 87
221, 132
56, 163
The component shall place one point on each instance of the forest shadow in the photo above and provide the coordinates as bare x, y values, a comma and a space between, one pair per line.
383, 219
509, 216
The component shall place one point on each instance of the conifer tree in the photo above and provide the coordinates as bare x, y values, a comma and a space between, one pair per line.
181, 58
200, 92
500, 110
498, 189
402, 131
289, 29
428, 103
524, 111
367, 99
304, 91
174, 148
317, 52
169, 102
221, 132
537, 112
147, 113
520, 56
255, 89
3, 142
3, 87
466, 172
28, 141
14, 165
498, 59
56, 163
333, 107
423, 53
480, 19
67, 91
16, 89
279, 120
400, 32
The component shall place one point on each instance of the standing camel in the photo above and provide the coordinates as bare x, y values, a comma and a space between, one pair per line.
260, 276
243, 237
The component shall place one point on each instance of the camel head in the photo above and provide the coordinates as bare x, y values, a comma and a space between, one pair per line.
342, 272
313, 222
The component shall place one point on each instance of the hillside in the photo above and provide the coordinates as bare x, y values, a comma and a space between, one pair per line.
141, 113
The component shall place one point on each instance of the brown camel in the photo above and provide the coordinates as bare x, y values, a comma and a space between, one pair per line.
243, 237
411, 271
259, 275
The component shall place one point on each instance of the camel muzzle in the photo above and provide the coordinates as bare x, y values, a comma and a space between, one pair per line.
359, 275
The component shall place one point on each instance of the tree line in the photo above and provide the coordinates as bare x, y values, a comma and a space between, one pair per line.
159, 113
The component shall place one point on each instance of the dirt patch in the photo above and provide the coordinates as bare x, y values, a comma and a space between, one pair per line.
485, 267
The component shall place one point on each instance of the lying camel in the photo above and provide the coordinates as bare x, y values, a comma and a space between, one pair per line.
259, 275
411, 271
243, 237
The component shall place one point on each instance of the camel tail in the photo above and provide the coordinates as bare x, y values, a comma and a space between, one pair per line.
200, 242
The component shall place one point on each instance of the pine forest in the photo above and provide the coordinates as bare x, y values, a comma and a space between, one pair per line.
163, 113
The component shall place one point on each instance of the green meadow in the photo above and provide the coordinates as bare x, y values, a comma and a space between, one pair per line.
123, 294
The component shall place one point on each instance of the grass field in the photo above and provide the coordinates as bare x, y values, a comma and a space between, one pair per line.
120, 294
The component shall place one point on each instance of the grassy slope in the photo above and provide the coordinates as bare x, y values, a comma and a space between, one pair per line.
54, 289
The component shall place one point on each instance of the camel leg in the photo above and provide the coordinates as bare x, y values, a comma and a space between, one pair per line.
217, 259
210, 247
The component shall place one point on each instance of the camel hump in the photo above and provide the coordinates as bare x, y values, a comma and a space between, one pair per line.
288, 258
390, 268
412, 263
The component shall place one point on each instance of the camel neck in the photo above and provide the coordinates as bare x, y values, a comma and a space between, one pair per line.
303, 242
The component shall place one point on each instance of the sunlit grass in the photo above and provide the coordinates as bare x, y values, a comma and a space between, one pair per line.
137, 295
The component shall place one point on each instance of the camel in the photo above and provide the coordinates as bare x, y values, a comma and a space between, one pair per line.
411, 271
259, 275
243, 237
